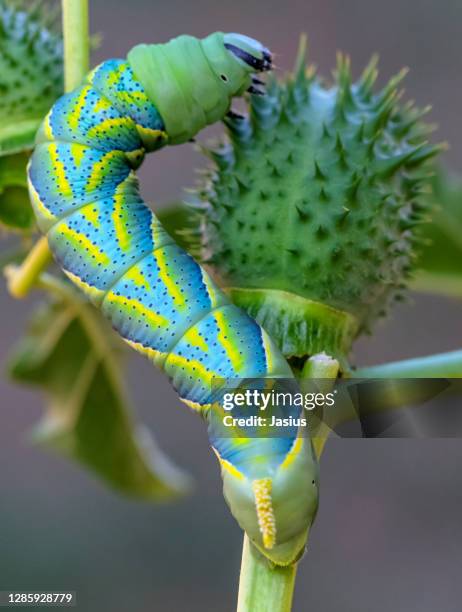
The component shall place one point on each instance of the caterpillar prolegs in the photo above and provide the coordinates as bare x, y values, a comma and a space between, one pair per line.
85, 195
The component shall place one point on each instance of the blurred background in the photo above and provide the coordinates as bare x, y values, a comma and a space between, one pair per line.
388, 535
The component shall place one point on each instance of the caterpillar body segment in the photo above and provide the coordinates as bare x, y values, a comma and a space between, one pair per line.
86, 199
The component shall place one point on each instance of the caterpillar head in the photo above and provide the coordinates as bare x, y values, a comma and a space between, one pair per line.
192, 81
249, 52
234, 58
251, 55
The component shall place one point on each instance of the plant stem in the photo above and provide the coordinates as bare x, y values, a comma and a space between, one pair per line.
449, 285
323, 370
76, 63
21, 279
396, 393
264, 587
76, 42
443, 365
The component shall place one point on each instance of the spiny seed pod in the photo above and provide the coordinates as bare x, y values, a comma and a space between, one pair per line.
31, 70
310, 212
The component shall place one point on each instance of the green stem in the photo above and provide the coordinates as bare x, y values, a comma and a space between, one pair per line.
443, 365
21, 279
76, 63
264, 587
447, 285
76, 42
396, 393
321, 367
324, 370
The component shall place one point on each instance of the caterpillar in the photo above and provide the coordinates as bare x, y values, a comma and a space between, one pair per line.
86, 199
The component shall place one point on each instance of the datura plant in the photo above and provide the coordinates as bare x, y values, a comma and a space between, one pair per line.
307, 227
310, 214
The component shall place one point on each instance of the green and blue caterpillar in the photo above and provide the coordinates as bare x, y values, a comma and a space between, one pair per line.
85, 195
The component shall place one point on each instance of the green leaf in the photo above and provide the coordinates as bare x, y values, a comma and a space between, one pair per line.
441, 260
15, 209
71, 354
181, 224
18, 137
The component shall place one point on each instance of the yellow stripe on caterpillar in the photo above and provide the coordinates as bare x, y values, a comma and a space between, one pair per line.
119, 218
229, 467
226, 341
149, 315
193, 337
73, 118
292, 454
90, 212
60, 173
105, 127
171, 284
85, 243
100, 169
102, 105
136, 275
191, 366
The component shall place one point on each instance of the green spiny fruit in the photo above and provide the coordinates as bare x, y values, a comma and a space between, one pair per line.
310, 212
31, 70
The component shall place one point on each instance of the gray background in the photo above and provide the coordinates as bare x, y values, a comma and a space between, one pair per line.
388, 535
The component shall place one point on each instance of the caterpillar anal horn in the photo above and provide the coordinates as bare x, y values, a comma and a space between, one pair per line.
262, 489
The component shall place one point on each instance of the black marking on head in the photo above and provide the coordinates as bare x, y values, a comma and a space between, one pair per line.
267, 57
259, 65
233, 115
256, 81
255, 91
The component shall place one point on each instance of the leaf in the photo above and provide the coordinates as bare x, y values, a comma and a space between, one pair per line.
440, 263
15, 209
18, 137
180, 224
71, 354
